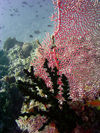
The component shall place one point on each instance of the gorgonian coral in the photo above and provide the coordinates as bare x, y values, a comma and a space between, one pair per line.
72, 48
75, 18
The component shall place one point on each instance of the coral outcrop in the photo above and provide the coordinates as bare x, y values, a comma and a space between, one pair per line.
64, 117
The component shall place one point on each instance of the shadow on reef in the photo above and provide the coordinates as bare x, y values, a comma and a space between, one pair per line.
12, 63
10, 43
4, 62
63, 116
68, 117
10, 105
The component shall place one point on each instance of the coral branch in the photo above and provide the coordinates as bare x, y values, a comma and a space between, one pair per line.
64, 117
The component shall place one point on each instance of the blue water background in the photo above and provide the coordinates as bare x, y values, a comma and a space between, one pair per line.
26, 20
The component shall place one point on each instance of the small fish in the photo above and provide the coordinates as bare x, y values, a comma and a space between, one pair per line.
25, 3
37, 32
49, 25
31, 36
52, 125
95, 103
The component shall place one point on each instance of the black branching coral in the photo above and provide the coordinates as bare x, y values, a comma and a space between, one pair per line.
62, 115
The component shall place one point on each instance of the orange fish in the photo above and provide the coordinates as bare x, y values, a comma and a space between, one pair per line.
52, 125
94, 103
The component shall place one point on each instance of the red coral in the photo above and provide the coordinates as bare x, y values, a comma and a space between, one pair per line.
74, 18
75, 53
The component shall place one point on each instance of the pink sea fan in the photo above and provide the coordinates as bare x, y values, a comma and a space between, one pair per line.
75, 53
77, 63
77, 29
75, 18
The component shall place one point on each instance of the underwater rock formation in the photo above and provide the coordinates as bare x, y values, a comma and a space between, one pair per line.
20, 56
12, 63
26, 49
10, 43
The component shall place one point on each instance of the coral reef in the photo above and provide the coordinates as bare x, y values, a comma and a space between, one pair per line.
3, 71
10, 105
77, 27
4, 62
10, 43
26, 49
74, 50
59, 113
78, 18
20, 56
65, 80
56, 111
12, 63
75, 53
3, 58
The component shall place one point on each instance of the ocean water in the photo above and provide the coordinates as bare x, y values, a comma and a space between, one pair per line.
26, 20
